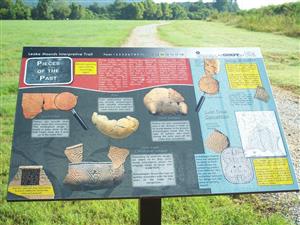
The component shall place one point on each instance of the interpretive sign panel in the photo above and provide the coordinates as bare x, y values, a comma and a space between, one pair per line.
95, 123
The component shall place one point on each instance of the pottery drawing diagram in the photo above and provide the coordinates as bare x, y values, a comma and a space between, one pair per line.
260, 134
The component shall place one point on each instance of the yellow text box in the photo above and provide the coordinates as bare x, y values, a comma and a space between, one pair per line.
85, 68
272, 171
39, 190
243, 76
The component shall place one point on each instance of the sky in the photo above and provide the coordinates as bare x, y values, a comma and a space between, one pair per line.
243, 4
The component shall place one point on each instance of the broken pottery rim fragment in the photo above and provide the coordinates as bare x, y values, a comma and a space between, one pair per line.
117, 129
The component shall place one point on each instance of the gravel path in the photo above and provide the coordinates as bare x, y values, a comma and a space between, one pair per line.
289, 109
146, 36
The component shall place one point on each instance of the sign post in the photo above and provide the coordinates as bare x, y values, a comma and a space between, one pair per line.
150, 211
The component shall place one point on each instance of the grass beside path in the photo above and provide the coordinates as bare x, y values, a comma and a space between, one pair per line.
14, 35
175, 211
281, 53
64, 33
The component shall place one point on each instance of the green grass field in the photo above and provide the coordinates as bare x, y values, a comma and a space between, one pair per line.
198, 210
281, 53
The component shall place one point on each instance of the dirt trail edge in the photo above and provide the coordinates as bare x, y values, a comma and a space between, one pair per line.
289, 110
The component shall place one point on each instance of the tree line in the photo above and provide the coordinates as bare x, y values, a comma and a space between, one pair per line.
144, 10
